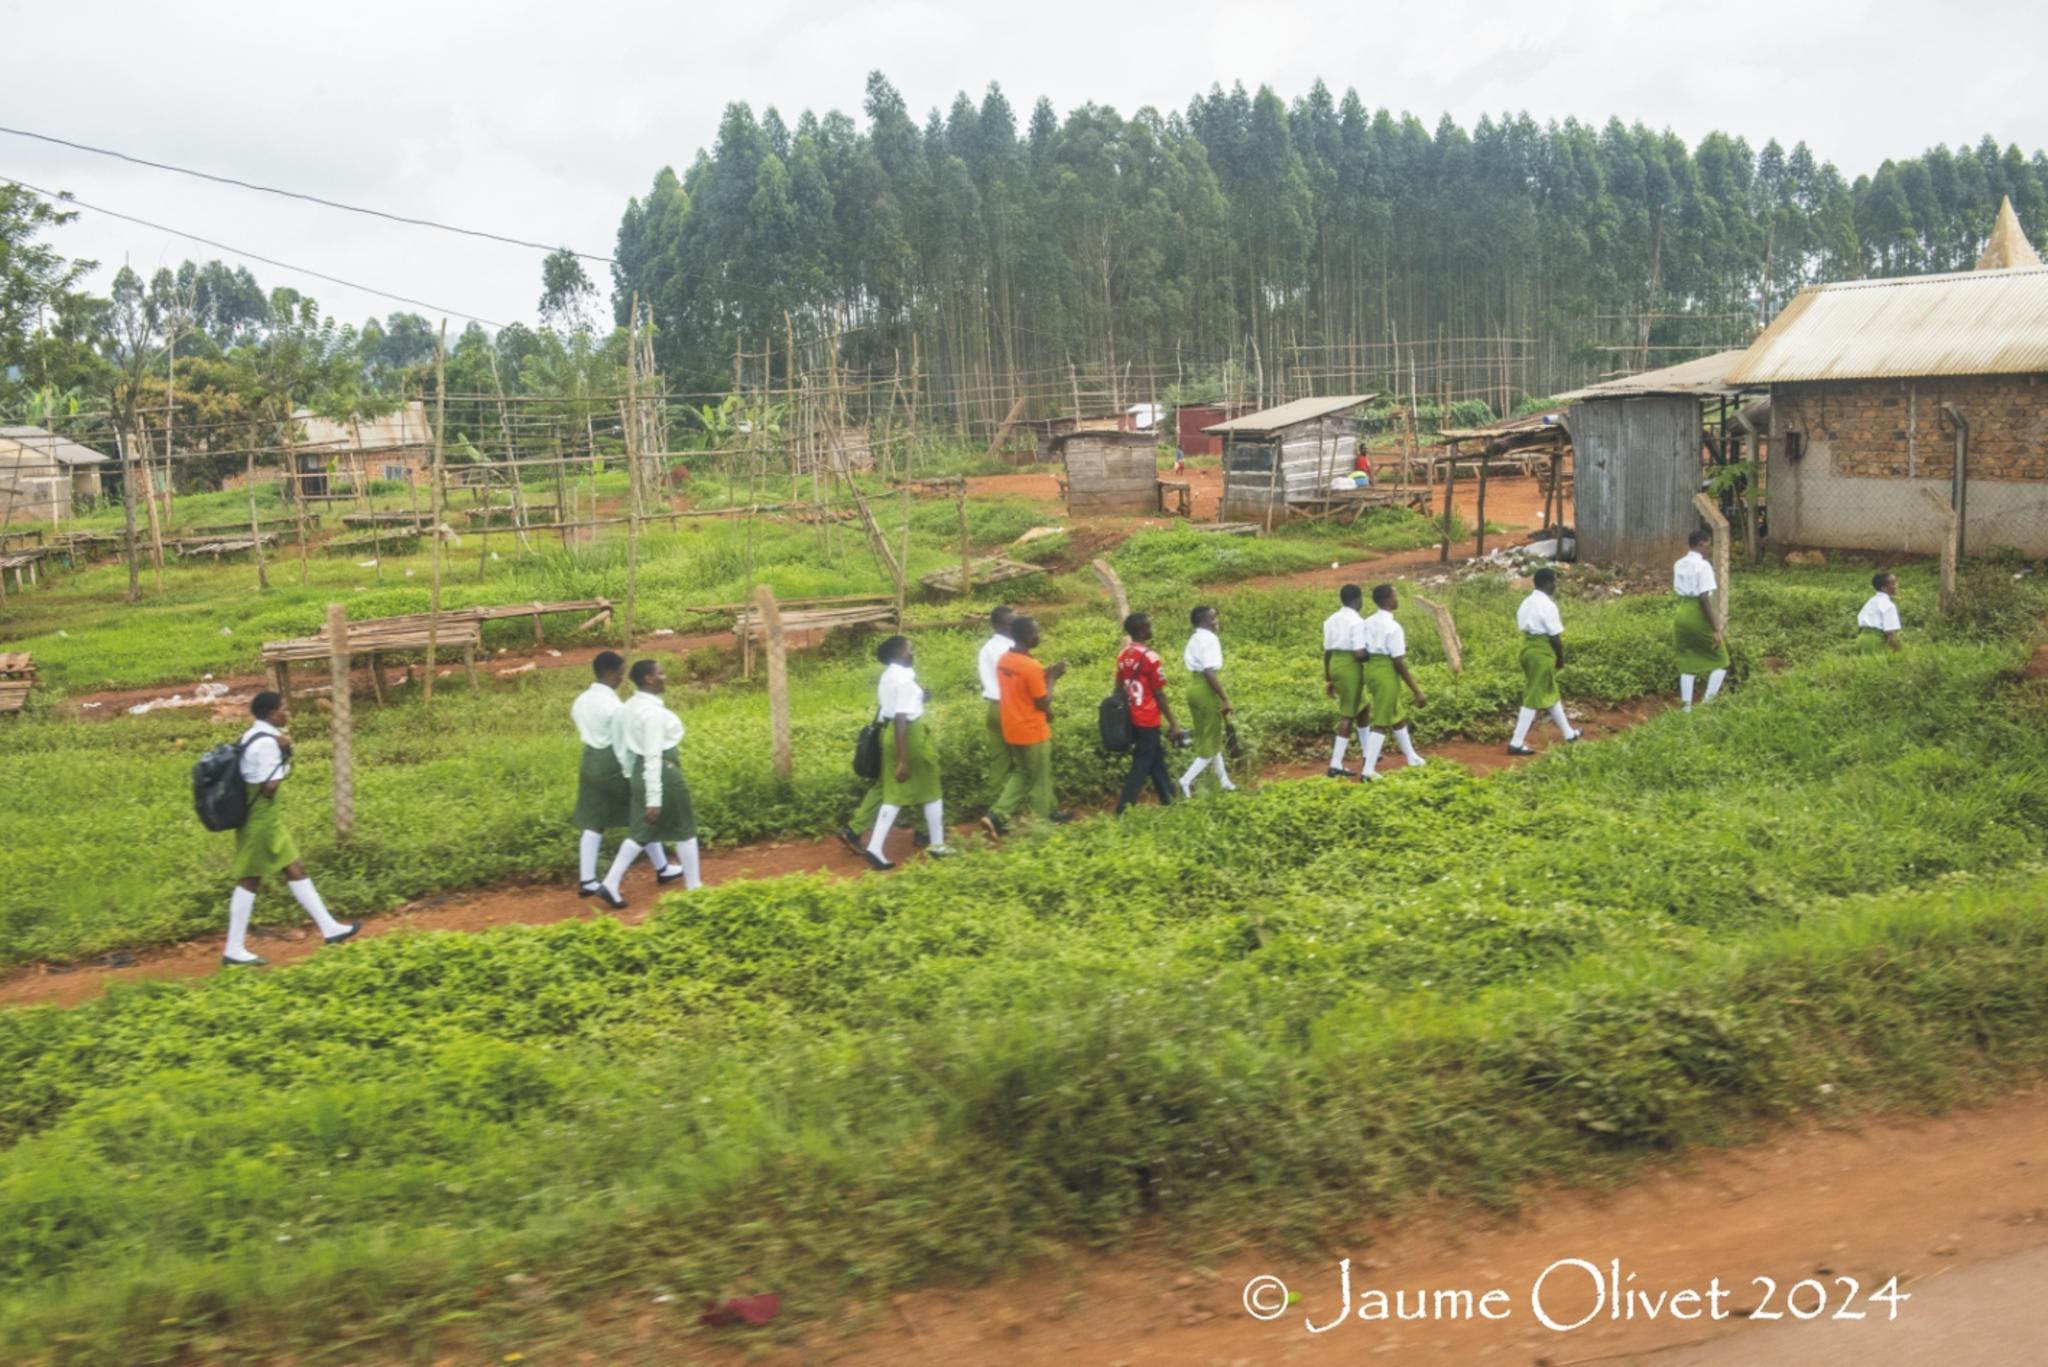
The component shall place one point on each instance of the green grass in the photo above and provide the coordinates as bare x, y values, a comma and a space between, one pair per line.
1268, 1016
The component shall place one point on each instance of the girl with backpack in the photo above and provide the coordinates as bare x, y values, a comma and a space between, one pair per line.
262, 845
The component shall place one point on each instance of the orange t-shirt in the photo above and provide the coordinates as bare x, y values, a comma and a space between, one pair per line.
1022, 681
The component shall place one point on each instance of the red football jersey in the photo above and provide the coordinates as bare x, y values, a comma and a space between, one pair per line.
1138, 675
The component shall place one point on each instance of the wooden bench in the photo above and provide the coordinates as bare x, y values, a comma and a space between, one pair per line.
23, 565
374, 639
1183, 494
17, 677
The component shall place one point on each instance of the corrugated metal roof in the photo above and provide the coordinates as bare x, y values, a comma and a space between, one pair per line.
1288, 414
1970, 323
1706, 376
50, 446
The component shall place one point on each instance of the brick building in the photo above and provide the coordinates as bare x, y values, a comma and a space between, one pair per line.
1876, 385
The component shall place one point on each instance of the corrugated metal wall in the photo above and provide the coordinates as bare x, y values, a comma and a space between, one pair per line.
1310, 457
1635, 468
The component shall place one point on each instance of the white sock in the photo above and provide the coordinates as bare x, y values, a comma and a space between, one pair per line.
687, 856
1714, 684
623, 860
1564, 726
1685, 688
315, 908
1524, 719
1337, 752
935, 821
1222, 774
1407, 746
1187, 780
885, 817
1375, 741
586, 856
240, 903
656, 855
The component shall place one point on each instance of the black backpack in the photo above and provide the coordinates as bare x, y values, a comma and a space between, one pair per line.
867, 752
218, 793
1113, 722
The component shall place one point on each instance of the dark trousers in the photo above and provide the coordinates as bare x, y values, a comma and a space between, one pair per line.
1148, 761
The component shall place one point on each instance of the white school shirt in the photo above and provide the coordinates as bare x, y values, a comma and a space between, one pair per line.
262, 757
1880, 612
647, 731
1384, 636
1344, 630
1693, 575
1538, 615
993, 649
899, 694
1204, 652
596, 714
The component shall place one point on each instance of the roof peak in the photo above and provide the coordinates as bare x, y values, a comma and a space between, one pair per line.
2008, 248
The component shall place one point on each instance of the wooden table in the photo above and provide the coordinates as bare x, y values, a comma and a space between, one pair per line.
374, 639
17, 677
1183, 493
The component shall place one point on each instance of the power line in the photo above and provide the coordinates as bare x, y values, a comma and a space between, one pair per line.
62, 198
296, 194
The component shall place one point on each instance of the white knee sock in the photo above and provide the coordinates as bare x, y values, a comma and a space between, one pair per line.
1685, 688
1714, 684
1337, 752
935, 821
623, 860
1524, 719
1222, 774
656, 856
1187, 780
885, 817
687, 856
1564, 725
240, 903
1407, 746
315, 908
586, 856
1375, 741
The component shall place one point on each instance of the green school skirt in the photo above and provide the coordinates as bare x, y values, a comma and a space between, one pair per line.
262, 845
1693, 633
1870, 641
923, 784
1539, 673
1347, 671
678, 821
1205, 720
603, 797
1383, 691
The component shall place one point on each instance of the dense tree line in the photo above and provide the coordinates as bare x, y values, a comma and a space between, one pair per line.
1244, 227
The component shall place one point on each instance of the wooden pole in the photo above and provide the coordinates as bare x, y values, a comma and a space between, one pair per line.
633, 462
156, 536
298, 488
1110, 581
1718, 524
344, 756
255, 526
1479, 548
1446, 632
966, 551
1950, 525
434, 500
770, 621
1443, 554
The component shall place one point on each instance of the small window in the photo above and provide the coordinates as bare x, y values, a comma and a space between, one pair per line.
1795, 446
394, 472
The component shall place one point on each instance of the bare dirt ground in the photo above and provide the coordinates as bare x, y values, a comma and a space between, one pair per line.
532, 904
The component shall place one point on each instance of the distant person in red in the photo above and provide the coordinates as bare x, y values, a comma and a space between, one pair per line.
1363, 465
1180, 461
1144, 686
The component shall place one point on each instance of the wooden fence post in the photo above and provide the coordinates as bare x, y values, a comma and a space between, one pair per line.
344, 758
966, 551
1447, 632
1115, 585
1718, 524
770, 618
1950, 526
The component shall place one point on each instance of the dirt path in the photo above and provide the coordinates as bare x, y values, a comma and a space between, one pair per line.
532, 904
1956, 1208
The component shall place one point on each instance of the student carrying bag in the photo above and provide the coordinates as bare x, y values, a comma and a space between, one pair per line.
1113, 722
218, 794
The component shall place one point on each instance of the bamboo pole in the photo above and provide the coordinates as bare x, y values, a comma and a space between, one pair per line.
298, 488
434, 494
778, 677
344, 755
633, 464
966, 551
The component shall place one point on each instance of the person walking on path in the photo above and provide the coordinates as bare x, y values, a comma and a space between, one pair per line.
1542, 656
1027, 729
993, 649
1386, 669
602, 794
1701, 647
1208, 704
1877, 625
658, 806
910, 757
1143, 683
1344, 671
262, 844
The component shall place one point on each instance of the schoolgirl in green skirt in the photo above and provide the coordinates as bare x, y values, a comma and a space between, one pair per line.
263, 847
1386, 674
1542, 655
910, 757
1877, 625
602, 795
657, 799
1699, 642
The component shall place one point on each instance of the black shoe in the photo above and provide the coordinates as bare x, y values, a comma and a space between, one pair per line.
875, 861
588, 889
1520, 750
241, 963
1573, 738
342, 934
921, 839
610, 898
1062, 818
669, 873
852, 841
994, 825
1334, 772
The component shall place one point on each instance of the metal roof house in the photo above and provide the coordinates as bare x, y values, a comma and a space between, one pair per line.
1109, 472
1883, 388
1290, 451
43, 475
392, 447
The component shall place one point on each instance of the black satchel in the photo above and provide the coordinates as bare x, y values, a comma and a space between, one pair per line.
867, 751
1113, 722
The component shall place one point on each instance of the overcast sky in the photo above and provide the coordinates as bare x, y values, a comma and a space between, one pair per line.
539, 120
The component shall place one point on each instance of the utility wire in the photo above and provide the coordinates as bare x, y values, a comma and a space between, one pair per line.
65, 199
296, 194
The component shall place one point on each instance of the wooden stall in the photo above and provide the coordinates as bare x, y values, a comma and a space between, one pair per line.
1109, 472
